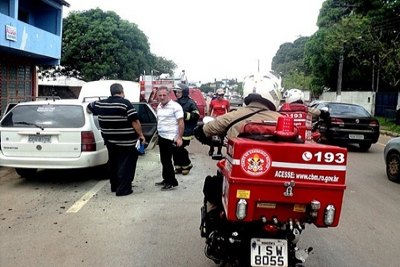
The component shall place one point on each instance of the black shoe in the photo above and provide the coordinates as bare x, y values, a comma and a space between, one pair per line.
160, 183
178, 171
124, 194
186, 170
168, 187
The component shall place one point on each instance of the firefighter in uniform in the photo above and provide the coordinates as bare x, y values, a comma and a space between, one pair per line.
260, 106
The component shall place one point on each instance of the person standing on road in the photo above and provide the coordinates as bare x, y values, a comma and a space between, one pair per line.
170, 127
183, 77
218, 107
191, 116
120, 128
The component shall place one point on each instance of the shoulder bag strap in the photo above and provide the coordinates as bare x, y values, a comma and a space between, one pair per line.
242, 118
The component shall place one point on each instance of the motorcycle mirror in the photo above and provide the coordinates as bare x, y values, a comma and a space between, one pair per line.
207, 119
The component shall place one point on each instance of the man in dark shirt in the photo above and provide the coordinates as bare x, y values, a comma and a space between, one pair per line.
120, 128
191, 115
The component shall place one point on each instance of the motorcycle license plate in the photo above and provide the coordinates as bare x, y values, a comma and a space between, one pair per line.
267, 252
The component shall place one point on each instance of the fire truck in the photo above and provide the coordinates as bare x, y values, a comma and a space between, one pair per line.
150, 83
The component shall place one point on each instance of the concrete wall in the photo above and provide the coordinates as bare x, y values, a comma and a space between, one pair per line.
365, 99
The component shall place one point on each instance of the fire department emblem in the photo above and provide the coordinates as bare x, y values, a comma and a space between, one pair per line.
255, 162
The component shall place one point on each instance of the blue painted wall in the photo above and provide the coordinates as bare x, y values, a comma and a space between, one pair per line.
39, 29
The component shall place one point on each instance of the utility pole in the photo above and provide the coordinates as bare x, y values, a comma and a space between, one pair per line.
373, 74
340, 76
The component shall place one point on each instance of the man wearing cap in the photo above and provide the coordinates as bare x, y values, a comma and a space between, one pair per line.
191, 113
218, 107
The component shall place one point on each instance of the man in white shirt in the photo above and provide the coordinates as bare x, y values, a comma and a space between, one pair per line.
183, 77
170, 127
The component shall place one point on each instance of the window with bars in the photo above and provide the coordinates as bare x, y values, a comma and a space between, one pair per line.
15, 83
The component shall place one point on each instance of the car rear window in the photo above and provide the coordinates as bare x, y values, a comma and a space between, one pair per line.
46, 116
340, 109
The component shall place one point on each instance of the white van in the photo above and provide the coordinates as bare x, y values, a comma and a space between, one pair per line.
94, 90
101, 89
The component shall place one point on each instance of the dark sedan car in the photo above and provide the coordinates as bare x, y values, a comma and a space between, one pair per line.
348, 124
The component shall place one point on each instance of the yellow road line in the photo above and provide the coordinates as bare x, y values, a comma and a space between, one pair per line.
86, 197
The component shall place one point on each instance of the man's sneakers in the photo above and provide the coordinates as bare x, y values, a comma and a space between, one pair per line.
178, 169
186, 169
162, 183
167, 187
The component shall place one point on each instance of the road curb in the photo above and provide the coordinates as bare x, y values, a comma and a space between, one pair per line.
388, 133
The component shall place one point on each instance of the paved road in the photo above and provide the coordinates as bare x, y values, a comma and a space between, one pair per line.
70, 218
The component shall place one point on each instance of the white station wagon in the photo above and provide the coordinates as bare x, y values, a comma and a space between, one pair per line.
57, 134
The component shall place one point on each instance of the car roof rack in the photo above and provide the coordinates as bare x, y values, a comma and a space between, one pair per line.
93, 98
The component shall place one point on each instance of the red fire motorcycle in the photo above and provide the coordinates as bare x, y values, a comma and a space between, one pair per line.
268, 187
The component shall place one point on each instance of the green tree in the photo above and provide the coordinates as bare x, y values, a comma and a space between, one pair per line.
289, 63
363, 35
100, 45
163, 65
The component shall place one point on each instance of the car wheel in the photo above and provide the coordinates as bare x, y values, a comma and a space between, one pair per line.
393, 167
365, 146
26, 173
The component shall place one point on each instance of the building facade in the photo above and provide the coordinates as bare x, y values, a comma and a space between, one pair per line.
32, 35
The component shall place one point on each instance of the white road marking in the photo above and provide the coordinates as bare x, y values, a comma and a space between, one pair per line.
86, 197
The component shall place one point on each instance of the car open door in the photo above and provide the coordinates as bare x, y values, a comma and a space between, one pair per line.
148, 120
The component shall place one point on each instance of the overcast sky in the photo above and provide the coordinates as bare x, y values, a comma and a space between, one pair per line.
215, 38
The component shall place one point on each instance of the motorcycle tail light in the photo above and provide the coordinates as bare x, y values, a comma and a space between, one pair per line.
270, 228
329, 215
315, 206
241, 209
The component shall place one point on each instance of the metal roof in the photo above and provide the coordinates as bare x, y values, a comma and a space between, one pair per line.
62, 2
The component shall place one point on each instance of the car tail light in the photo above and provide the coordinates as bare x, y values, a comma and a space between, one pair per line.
337, 121
373, 124
87, 141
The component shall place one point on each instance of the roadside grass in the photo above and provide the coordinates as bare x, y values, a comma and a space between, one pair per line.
388, 125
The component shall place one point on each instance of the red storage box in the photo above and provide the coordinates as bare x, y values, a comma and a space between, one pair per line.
280, 180
302, 119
